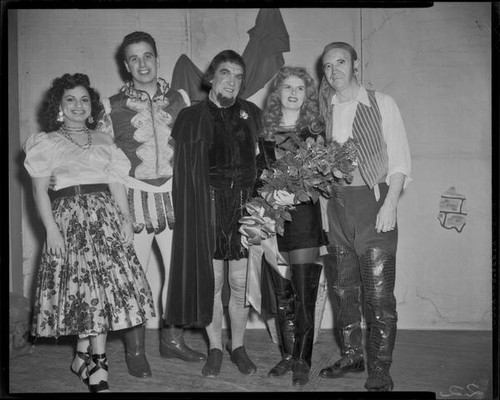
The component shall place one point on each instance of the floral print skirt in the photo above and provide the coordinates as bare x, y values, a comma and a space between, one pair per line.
99, 284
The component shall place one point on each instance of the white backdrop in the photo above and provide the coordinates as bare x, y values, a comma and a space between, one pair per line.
435, 62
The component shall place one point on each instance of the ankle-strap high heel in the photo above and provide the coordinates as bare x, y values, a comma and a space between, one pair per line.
101, 362
82, 372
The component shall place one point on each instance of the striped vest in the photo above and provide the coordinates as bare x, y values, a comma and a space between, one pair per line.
372, 150
367, 130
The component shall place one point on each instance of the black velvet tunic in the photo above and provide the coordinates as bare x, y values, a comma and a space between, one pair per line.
232, 177
232, 153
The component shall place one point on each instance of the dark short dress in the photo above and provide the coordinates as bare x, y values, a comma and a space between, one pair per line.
302, 232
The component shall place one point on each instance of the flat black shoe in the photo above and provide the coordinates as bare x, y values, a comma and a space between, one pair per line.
213, 364
282, 367
240, 358
342, 366
300, 373
176, 348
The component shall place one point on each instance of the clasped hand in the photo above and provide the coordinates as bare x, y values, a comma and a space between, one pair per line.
283, 198
127, 232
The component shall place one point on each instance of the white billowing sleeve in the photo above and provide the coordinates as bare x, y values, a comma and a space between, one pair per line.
398, 149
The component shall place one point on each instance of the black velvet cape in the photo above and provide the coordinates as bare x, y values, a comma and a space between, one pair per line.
191, 283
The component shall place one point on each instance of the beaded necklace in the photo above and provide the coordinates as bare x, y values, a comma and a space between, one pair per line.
65, 132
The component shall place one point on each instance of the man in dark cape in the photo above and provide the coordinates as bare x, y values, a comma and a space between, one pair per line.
215, 150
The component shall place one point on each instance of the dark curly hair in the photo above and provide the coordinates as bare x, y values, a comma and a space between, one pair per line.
309, 116
224, 56
56, 92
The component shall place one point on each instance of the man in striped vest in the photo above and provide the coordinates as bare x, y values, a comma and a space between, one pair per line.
141, 117
363, 229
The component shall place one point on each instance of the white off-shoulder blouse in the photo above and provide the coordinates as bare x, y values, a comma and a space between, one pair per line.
51, 154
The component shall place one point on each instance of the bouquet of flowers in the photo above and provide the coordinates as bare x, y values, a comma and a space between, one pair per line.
307, 169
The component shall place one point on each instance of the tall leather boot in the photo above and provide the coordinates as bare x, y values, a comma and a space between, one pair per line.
346, 294
135, 353
378, 268
172, 345
305, 281
285, 326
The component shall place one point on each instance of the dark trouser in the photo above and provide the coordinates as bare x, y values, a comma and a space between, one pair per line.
363, 273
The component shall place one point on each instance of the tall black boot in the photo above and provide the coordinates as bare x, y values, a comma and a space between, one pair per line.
135, 353
172, 345
378, 268
346, 294
305, 281
285, 299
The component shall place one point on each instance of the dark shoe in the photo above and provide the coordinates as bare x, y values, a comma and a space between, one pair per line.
137, 364
300, 373
240, 358
282, 367
213, 364
100, 361
135, 354
379, 382
82, 372
342, 366
172, 346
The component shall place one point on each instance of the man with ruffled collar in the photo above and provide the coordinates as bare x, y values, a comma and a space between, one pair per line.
141, 117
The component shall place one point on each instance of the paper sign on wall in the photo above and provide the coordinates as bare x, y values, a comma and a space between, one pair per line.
452, 210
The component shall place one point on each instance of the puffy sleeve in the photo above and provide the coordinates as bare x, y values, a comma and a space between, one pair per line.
394, 132
39, 155
119, 165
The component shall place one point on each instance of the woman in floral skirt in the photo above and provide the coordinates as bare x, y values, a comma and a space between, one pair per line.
89, 281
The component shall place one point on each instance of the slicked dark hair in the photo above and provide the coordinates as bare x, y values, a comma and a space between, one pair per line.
224, 56
55, 95
137, 37
341, 45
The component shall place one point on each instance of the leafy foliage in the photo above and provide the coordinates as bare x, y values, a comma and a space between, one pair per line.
307, 169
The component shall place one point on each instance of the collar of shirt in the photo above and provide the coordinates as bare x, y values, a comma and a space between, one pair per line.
132, 92
361, 97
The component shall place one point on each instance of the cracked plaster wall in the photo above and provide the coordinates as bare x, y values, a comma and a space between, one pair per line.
435, 63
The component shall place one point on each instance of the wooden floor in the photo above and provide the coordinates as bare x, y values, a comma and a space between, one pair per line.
450, 364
